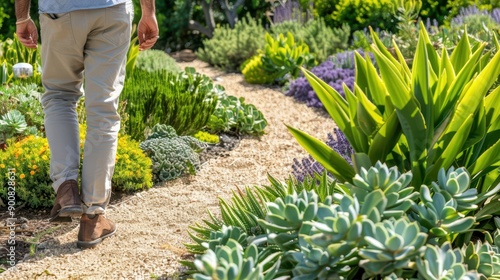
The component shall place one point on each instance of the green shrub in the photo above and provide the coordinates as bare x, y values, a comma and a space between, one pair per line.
154, 60
172, 155
362, 14
322, 40
254, 73
207, 137
232, 114
281, 56
184, 101
30, 157
229, 48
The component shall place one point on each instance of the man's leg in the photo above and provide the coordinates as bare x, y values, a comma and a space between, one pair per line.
62, 61
105, 61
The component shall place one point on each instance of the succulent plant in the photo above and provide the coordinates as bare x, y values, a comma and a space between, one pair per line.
286, 216
329, 245
391, 245
394, 185
439, 215
454, 184
443, 263
483, 257
231, 262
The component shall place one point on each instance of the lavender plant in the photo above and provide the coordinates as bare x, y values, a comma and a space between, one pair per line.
308, 167
336, 71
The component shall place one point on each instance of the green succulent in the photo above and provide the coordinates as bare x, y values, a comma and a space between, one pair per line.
394, 185
329, 245
286, 216
443, 263
231, 262
483, 257
439, 215
391, 245
12, 123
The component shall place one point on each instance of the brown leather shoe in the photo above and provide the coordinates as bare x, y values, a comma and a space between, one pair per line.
94, 230
67, 203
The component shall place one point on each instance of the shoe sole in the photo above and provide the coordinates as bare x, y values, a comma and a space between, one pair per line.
64, 215
92, 244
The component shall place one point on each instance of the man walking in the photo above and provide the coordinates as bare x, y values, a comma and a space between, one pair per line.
85, 46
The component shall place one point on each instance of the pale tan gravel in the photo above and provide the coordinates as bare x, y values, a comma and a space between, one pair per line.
152, 225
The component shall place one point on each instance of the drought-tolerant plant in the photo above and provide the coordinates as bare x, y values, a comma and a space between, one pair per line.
207, 137
436, 115
232, 114
154, 60
322, 40
361, 14
280, 57
30, 157
185, 101
230, 47
368, 230
338, 71
172, 155
480, 24
309, 167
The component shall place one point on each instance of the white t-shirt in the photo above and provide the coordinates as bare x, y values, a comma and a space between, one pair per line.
64, 6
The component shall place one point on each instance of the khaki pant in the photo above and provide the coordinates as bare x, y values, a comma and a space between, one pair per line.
84, 50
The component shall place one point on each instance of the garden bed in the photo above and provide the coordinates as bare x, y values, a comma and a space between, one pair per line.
153, 224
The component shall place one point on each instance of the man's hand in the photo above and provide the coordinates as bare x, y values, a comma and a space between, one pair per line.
27, 33
147, 32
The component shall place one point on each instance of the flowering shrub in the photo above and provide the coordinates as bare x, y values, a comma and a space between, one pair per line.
308, 166
30, 158
336, 71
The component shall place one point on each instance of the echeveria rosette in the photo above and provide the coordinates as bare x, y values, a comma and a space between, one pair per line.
329, 246
394, 185
391, 246
443, 263
440, 216
483, 257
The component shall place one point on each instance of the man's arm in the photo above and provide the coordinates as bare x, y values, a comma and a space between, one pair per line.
26, 30
147, 31
22, 9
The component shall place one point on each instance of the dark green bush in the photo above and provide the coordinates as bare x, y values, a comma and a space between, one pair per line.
322, 40
229, 48
184, 101
154, 60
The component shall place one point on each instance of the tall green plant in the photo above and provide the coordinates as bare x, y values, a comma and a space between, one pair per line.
184, 101
442, 113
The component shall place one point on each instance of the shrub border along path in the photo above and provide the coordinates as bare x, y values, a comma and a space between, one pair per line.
152, 225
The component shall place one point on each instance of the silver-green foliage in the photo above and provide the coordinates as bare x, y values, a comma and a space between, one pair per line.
229, 48
172, 155
369, 229
154, 60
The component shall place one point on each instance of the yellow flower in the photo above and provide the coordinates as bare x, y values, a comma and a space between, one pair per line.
35, 167
22, 176
44, 157
32, 172
2, 165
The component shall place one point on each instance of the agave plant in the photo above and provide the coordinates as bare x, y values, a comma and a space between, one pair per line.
441, 113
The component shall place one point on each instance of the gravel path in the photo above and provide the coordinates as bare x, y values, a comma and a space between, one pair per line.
152, 225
